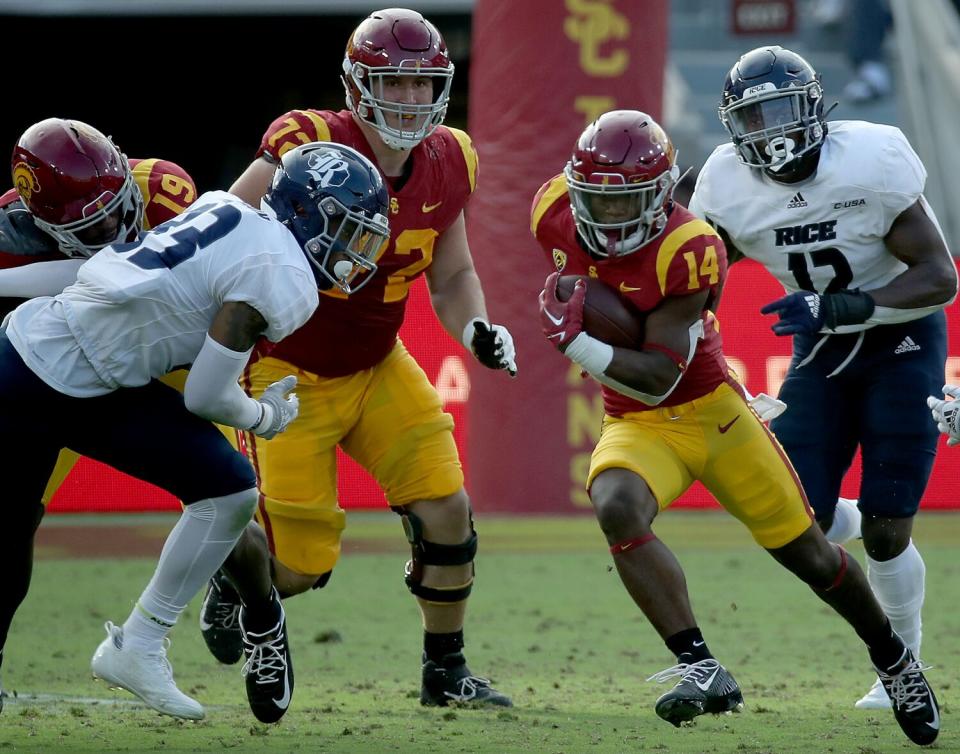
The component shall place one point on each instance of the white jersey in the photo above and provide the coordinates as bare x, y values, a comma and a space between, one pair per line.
826, 231
141, 309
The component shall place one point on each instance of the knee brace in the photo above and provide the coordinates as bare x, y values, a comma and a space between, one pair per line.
431, 553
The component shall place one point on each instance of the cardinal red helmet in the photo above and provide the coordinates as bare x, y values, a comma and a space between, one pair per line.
620, 179
390, 43
77, 185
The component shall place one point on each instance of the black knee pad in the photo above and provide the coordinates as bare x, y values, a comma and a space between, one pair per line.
431, 553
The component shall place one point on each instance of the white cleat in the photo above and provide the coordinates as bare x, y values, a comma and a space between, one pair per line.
148, 676
875, 698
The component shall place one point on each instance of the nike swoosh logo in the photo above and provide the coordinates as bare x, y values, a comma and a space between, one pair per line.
935, 723
698, 643
706, 684
429, 207
557, 334
722, 428
555, 320
624, 288
284, 701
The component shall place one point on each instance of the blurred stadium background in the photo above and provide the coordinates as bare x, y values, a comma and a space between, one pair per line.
198, 82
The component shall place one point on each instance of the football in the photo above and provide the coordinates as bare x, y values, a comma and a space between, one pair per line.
606, 315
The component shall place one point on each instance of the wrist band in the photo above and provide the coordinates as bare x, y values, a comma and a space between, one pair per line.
260, 412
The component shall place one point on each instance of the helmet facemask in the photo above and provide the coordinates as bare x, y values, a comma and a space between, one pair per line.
352, 238
615, 218
413, 122
123, 210
772, 128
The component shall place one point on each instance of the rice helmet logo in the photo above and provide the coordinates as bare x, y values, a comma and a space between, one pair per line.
25, 180
328, 169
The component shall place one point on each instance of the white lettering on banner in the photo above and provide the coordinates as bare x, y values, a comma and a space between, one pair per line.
952, 371
453, 381
739, 368
767, 16
777, 367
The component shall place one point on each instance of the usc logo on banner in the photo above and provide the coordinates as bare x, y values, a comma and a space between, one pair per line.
601, 32
592, 24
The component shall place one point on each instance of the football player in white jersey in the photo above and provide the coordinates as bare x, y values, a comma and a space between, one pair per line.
835, 211
80, 370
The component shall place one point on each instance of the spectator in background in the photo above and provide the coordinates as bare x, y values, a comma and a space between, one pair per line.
865, 24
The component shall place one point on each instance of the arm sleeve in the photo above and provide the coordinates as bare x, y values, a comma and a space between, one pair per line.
39, 279
212, 390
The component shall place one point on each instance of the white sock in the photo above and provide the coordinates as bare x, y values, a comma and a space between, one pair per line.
899, 587
846, 522
196, 548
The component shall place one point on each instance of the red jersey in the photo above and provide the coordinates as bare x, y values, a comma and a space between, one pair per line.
167, 191
346, 335
687, 257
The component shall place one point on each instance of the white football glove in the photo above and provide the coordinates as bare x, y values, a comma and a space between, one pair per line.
279, 409
947, 413
491, 344
767, 407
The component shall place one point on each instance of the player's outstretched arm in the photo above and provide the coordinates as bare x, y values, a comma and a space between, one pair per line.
39, 278
212, 390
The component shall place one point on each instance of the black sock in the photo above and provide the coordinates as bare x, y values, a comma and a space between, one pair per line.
887, 649
261, 616
690, 644
438, 646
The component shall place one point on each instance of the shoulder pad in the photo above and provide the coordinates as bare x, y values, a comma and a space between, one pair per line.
20, 235
469, 154
291, 130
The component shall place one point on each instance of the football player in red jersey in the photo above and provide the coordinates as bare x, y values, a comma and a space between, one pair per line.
674, 413
359, 388
74, 193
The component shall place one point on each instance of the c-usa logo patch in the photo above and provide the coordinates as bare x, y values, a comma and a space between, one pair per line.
328, 169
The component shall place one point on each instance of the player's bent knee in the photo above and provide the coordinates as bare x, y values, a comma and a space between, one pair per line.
623, 504
427, 553
290, 583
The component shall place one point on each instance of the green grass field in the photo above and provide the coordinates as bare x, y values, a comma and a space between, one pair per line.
549, 623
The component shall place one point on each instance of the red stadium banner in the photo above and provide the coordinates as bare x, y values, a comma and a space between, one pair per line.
758, 356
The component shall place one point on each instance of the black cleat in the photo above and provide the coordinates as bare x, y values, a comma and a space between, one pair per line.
451, 681
268, 669
914, 704
219, 622
704, 686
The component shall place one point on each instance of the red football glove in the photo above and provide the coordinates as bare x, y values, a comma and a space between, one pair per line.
561, 321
